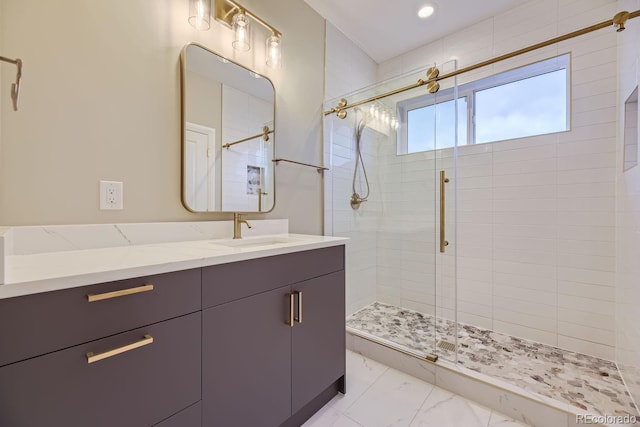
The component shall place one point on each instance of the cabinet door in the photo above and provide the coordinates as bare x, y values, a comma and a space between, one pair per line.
246, 361
319, 341
136, 388
190, 417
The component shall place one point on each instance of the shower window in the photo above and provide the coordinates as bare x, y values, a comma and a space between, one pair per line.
526, 101
424, 133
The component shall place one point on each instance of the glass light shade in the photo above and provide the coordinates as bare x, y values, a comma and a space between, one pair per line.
242, 30
200, 14
274, 51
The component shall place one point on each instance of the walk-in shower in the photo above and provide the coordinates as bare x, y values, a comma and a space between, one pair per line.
477, 244
399, 248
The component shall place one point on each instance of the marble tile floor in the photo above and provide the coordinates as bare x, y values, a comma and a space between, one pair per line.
380, 396
586, 382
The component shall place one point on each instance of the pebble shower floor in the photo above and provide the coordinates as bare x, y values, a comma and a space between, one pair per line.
586, 382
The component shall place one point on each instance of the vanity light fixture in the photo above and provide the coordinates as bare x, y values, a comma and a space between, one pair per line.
274, 50
238, 18
242, 31
200, 14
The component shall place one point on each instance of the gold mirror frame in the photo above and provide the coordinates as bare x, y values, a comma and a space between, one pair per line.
266, 134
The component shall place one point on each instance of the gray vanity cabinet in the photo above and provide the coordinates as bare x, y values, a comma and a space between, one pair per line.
247, 362
137, 388
259, 342
190, 417
124, 353
49, 321
259, 368
318, 342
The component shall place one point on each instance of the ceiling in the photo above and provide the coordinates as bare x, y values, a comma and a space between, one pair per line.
387, 28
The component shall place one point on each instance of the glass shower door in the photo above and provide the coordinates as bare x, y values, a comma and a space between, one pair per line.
383, 192
430, 127
451, 131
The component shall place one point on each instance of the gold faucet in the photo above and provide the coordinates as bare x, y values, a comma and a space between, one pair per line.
237, 225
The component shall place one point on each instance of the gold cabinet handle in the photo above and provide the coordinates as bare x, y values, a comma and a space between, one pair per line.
299, 317
92, 358
292, 308
443, 242
120, 293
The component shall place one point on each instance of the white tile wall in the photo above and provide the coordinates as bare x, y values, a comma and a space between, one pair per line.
348, 69
244, 115
536, 216
628, 218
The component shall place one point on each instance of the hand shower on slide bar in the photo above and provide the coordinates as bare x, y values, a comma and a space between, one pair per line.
356, 199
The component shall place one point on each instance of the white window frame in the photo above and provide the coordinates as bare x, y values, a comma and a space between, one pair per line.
468, 91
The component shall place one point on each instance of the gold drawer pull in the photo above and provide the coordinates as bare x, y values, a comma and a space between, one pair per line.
292, 307
92, 358
121, 293
299, 318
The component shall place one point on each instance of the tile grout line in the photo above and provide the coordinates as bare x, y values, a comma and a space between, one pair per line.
344, 412
433, 387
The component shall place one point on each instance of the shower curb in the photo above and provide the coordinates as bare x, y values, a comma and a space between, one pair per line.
530, 408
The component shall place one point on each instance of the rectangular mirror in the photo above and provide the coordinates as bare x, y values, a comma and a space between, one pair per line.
228, 135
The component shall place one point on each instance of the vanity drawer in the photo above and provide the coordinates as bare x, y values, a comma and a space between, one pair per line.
136, 388
41, 323
227, 282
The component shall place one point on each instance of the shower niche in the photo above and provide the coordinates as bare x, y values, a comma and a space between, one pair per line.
631, 131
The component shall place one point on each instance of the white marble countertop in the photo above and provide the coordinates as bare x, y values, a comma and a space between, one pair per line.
49, 271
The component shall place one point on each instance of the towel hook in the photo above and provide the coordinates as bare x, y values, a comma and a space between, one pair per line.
15, 87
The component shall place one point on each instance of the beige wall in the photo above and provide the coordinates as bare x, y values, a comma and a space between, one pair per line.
3, 93
100, 100
204, 98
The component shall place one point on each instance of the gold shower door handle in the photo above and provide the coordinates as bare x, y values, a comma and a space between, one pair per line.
443, 181
92, 358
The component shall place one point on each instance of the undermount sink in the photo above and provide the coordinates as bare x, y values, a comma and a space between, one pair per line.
254, 242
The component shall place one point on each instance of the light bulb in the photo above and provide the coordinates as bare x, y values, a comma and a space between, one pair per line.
200, 14
274, 51
242, 30
426, 11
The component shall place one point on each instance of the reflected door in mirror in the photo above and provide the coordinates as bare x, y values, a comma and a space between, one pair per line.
200, 159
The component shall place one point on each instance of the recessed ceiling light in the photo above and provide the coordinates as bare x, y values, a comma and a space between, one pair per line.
426, 11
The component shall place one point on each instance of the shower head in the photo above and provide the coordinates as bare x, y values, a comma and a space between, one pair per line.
355, 201
361, 125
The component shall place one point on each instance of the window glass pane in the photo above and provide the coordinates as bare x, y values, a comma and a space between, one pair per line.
532, 106
432, 127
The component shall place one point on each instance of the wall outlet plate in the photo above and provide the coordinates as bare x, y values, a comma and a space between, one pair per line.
111, 195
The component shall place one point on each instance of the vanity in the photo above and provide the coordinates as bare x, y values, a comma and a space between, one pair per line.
210, 332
